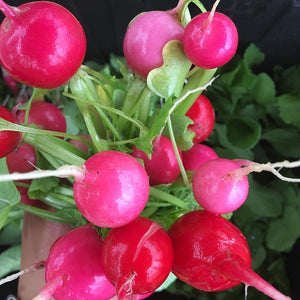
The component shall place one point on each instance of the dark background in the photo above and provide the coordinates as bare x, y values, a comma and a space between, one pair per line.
273, 25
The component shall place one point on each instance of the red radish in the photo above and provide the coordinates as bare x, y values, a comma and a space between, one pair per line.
73, 268
41, 43
113, 189
211, 254
217, 189
9, 140
80, 145
196, 156
210, 40
46, 115
137, 257
22, 160
203, 116
145, 38
163, 166
24, 196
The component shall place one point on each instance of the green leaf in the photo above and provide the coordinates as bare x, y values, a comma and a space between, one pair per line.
289, 108
263, 200
264, 90
10, 260
8, 191
243, 132
283, 232
253, 55
170, 279
284, 141
168, 80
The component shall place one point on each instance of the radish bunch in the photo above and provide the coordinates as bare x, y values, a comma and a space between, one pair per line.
136, 177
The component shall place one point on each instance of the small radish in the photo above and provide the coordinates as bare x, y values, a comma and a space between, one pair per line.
137, 257
196, 156
41, 43
203, 116
81, 145
45, 115
22, 159
112, 190
216, 187
9, 140
145, 38
25, 197
210, 40
211, 254
162, 167
73, 268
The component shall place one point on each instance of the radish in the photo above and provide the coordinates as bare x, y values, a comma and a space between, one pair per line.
137, 257
73, 268
9, 140
41, 43
145, 38
217, 188
162, 167
211, 254
112, 189
210, 39
196, 156
46, 115
203, 116
22, 159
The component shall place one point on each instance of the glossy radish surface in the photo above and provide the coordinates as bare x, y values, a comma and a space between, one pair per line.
9, 140
211, 254
162, 167
41, 43
217, 189
145, 38
196, 156
210, 43
114, 190
45, 115
74, 267
137, 257
203, 116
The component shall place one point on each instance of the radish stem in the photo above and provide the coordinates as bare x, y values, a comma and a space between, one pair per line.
64, 171
9, 11
12, 277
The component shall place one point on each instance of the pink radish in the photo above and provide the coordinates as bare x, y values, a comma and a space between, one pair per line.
210, 40
196, 156
145, 38
9, 140
211, 254
137, 257
67, 279
113, 189
162, 167
217, 188
41, 43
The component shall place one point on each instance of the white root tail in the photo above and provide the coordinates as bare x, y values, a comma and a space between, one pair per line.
35, 267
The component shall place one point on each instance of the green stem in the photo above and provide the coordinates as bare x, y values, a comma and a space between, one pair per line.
58, 148
161, 195
198, 79
45, 214
178, 157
